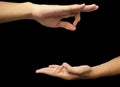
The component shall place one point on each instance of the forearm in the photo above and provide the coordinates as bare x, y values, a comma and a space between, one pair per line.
109, 68
15, 11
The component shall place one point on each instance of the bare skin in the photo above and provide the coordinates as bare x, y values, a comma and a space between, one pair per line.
67, 72
47, 15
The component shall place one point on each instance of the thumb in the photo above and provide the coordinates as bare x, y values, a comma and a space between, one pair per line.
77, 70
68, 67
66, 25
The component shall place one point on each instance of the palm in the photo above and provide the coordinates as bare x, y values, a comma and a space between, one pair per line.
50, 21
61, 73
66, 75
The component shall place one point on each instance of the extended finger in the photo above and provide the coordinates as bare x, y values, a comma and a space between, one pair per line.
43, 70
75, 7
47, 71
53, 66
89, 8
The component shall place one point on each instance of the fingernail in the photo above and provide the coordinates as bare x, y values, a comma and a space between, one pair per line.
97, 6
83, 4
64, 64
93, 4
37, 71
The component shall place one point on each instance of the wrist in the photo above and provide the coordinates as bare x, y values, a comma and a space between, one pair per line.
95, 72
27, 10
98, 71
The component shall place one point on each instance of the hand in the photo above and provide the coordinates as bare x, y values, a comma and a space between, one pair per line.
65, 71
51, 15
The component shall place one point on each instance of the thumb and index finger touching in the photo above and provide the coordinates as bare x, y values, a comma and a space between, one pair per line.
79, 70
75, 10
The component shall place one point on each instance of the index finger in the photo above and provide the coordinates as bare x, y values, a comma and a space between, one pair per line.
89, 8
74, 7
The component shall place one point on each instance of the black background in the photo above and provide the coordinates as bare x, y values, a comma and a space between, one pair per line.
26, 45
